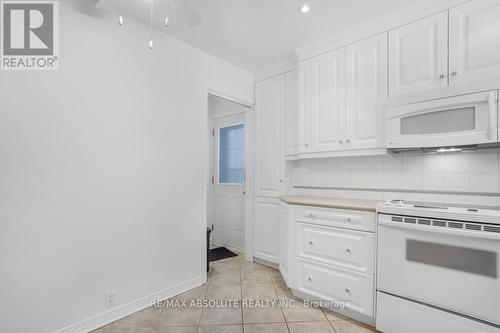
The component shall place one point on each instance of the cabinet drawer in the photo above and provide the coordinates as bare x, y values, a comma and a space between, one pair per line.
340, 247
349, 219
336, 284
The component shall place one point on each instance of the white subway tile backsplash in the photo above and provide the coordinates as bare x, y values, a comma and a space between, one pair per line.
433, 163
476, 171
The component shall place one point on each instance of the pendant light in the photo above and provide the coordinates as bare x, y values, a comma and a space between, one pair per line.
151, 24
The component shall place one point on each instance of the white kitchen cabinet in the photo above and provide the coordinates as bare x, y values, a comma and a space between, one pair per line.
327, 109
418, 55
331, 256
267, 217
304, 106
269, 136
366, 90
474, 41
291, 113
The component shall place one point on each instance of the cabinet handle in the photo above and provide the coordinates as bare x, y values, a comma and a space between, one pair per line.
310, 278
348, 290
311, 242
348, 141
341, 142
306, 144
454, 73
348, 250
281, 180
442, 76
349, 219
311, 215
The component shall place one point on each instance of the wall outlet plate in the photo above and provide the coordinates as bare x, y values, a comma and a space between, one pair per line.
110, 298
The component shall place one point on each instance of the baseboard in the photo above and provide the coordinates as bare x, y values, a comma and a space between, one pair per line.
266, 263
120, 312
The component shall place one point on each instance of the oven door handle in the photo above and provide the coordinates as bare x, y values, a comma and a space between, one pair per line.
441, 230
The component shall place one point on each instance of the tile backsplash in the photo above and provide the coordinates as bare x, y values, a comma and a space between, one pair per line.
464, 178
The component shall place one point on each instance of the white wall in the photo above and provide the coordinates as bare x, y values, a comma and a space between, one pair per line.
100, 171
474, 174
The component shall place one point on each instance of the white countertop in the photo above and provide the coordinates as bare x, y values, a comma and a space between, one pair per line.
329, 202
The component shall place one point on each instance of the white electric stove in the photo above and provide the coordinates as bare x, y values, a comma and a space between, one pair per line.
438, 268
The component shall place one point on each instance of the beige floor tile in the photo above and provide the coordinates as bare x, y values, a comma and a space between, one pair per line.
351, 327
196, 293
180, 316
133, 330
258, 291
282, 291
252, 266
303, 314
220, 316
333, 316
223, 278
231, 266
319, 327
266, 328
224, 292
255, 276
277, 277
142, 319
262, 315
221, 329
179, 329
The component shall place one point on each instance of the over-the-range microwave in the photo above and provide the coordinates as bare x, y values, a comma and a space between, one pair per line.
464, 120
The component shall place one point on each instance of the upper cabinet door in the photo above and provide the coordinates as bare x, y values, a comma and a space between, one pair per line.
418, 55
474, 41
291, 114
366, 90
304, 106
328, 101
269, 157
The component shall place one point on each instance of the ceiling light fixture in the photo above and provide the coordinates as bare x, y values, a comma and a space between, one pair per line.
305, 8
151, 24
120, 18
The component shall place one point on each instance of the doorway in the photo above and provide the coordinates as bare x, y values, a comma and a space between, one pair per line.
227, 163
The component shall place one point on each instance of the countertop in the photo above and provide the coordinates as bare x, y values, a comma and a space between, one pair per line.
329, 202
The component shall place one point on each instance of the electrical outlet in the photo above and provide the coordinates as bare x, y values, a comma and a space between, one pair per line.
110, 298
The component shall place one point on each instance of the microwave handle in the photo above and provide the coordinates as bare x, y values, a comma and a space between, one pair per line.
492, 116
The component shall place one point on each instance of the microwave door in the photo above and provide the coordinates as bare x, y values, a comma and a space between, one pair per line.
457, 121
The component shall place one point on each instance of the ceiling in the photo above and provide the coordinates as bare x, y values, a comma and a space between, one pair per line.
255, 34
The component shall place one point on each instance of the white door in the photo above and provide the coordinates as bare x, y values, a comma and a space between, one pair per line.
229, 181
267, 229
366, 90
269, 141
328, 101
418, 55
474, 41
291, 113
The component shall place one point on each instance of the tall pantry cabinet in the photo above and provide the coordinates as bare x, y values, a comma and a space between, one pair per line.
270, 131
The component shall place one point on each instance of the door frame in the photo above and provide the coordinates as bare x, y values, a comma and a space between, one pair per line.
206, 176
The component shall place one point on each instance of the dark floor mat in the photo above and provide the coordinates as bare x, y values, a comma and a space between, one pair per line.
220, 253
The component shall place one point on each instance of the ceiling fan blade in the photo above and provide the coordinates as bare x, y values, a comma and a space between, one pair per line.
187, 13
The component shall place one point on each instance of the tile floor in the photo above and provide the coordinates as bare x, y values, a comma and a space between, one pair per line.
237, 279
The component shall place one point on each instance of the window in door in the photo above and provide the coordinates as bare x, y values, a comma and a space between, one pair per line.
231, 154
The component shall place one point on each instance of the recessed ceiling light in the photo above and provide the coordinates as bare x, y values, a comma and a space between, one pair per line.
305, 8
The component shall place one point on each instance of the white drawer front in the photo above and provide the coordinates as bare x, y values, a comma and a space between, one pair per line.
336, 284
349, 219
340, 247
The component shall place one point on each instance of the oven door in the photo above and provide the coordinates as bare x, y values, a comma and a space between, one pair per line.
453, 269
455, 121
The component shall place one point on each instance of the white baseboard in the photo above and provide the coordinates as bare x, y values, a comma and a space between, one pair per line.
122, 311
